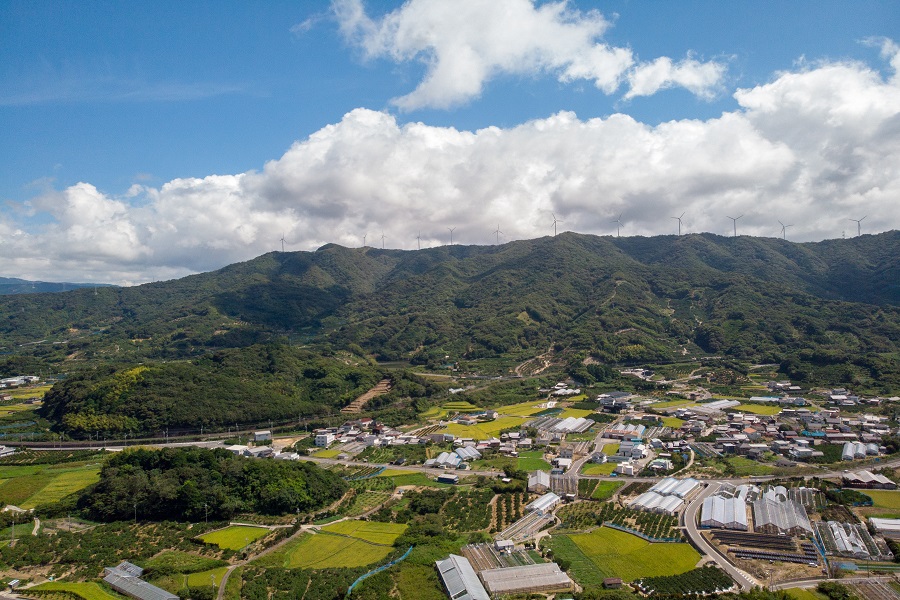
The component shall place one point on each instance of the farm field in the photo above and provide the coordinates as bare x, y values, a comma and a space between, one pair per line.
418, 479
674, 404
673, 422
524, 409
605, 489
804, 594
328, 453
15, 408
29, 485
595, 469
88, 591
369, 531
205, 577
884, 498
575, 412
532, 461
610, 449
483, 431
323, 551
619, 554
234, 537
759, 409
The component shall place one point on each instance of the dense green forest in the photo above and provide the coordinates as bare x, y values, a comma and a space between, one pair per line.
233, 386
191, 484
827, 311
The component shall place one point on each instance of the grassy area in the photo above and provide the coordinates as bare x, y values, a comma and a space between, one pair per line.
605, 489
370, 531
884, 498
327, 453
575, 412
234, 537
674, 403
88, 591
29, 485
532, 461
595, 469
206, 577
618, 554
673, 422
15, 408
610, 449
37, 391
745, 467
461, 406
418, 479
174, 561
524, 409
64, 484
804, 594
323, 551
759, 409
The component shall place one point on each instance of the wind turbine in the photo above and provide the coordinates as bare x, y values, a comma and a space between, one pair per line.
735, 219
858, 228
618, 223
679, 222
784, 230
365, 235
555, 221
451, 229
382, 239
282, 243
419, 241
497, 232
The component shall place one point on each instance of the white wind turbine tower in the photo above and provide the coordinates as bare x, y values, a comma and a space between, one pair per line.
451, 230
858, 228
365, 235
618, 223
555, 221
784, 230
382, 239
679, 222
419, 241
735, 220
282, 243
497, 232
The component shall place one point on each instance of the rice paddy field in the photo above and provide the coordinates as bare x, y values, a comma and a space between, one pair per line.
804, 594
612, 553
606, 489
327, 453
524, 409
87, 591
483, 431
28, 486
610, 449
884, 498
674, 404
15, 408
323, 551
370, 531
532, 461
575, 412
673, 422
234, 537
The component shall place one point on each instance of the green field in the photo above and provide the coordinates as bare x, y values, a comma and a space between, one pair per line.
610, 449
327, 453
575, 412
758, 409
595, 469
532, 461
461, 406
370, 531
88, 591
15, 408
418, 479
804, 594
673, 422
524, 409
618, 554
674, 403
323, 551
205, 577
28, 486
234, 537
64, 484
744, 467
483, 431
884, 498
605, 489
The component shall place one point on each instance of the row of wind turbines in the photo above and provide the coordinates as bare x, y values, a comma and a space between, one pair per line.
617, 221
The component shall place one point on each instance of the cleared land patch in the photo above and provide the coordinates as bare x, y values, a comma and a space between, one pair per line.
234, 537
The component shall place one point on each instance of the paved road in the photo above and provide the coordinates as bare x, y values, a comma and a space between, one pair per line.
744, 580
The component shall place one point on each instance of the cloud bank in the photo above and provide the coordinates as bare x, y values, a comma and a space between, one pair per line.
812, 148
466, 43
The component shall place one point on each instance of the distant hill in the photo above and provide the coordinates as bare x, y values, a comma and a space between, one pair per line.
831, 305
12, 285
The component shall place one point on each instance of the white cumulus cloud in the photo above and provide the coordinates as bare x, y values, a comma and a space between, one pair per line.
812, 148
466, 43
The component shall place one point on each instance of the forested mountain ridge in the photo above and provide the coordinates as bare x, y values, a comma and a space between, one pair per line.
618, 299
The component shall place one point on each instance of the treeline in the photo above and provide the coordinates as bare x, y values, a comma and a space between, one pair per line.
196, 483
248, 385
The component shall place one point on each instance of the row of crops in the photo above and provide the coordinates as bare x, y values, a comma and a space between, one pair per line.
705, 580
584, 515
508, 509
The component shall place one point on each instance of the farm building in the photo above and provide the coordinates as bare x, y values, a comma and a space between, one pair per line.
539, 482
446, 460
262, 436
460, 579
889, 528
726, 513
774, 513
544, 504
468, 453
869, 480
448, 478
541, 577
126, 579
654, 502
625, 431
682, 488
853, 450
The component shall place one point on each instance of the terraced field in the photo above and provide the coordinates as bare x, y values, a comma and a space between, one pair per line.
370, 531
28, 486
323, 551
884, 498
234, 537
483, 431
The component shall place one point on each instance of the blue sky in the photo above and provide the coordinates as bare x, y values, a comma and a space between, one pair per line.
117, 115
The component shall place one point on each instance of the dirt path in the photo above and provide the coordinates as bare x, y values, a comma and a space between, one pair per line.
543, 359
383, 387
